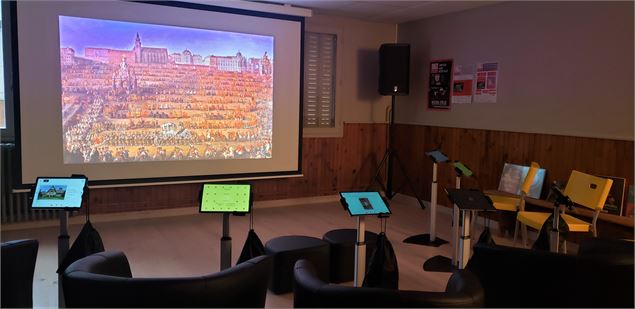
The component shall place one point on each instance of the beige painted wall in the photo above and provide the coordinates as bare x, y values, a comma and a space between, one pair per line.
566, 68
357, 65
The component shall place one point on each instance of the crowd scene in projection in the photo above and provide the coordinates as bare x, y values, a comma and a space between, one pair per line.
158, 101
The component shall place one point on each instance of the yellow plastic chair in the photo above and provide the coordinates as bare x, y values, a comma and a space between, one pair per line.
509, 203
583, 189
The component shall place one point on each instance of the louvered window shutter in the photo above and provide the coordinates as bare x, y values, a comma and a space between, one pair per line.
319, 80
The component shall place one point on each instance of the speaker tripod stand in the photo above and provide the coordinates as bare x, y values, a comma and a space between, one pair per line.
390, 155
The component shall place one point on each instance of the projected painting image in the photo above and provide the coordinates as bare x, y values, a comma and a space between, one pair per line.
143, 92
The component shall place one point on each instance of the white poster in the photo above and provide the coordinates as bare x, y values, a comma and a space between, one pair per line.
463, 84
487, 75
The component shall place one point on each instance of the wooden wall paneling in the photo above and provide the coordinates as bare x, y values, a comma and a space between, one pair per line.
624, 155
379, 142
359, 156
362, 149
487, 169
410, 155
376, 144
344, 172
549, 152
486, 151
468, 146
450, 144
594, 156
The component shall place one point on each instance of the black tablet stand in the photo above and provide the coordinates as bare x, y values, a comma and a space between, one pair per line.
63, 240
554, 235
226, 242
360, 246
63, 246
225, 245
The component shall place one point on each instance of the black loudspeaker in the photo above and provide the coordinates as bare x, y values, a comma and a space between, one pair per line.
394, 69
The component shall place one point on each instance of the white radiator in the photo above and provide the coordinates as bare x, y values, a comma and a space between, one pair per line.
16, 207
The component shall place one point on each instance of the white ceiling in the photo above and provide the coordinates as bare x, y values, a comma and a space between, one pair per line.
385, 11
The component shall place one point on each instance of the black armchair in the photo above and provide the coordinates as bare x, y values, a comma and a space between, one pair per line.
517, 277
463, 290
18, 267
617, 251
105, 280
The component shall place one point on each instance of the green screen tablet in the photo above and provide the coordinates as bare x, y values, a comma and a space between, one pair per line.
234, 198
462, 169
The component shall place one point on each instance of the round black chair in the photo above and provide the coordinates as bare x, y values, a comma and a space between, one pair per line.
18, 267
286, 250
342, 243
462, 290
104, 280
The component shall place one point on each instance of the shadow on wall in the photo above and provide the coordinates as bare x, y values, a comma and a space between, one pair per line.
420, 64
368, 74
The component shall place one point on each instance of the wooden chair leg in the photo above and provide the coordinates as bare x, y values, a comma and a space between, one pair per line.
524, 235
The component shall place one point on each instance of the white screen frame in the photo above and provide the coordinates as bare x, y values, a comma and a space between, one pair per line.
39, 69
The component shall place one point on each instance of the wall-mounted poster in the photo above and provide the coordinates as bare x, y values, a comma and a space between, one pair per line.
615, 199
631, 200
462, 84
440, 84
462, 89
487, 76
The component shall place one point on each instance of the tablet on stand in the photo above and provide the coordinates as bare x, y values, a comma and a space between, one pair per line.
64, 194
468, 202
360, 205
441, 263
226, 199
431, 239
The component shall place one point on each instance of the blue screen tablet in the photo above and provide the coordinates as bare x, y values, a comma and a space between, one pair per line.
234, 198
58, 193
437, 156
364, 203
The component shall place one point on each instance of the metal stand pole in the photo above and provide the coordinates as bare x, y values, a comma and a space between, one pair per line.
465, 240
433, 204
431, 238
225, 245
455, 227
360, 252
554, 235
62, 250
441, 263
389, 192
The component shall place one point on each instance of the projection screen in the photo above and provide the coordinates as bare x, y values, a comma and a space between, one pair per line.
126, 92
